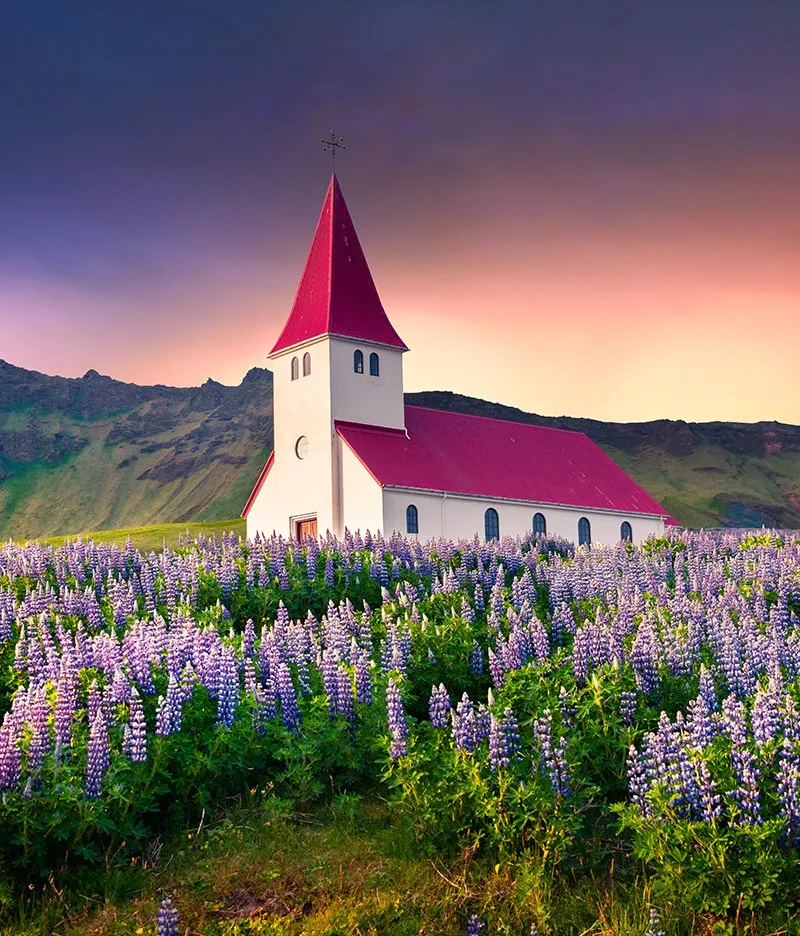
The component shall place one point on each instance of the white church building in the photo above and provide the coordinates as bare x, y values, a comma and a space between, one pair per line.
350, 454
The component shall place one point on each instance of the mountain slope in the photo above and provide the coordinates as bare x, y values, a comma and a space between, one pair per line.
94, 453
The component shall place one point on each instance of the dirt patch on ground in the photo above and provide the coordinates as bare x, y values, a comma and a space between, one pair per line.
287, 897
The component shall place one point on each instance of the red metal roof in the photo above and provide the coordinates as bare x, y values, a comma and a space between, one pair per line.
495, 458
337, 295
259, 484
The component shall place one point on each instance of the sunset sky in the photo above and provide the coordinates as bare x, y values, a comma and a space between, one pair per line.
585, 208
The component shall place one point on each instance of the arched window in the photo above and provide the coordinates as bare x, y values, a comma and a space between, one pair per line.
374, 365
539, 524
584, 532
412, 519
358, 362
626, 532
306, 364
491, 523
295, 368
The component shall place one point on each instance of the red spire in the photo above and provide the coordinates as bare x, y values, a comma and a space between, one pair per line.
337, 295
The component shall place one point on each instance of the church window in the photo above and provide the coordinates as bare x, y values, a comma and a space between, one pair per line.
412, 519
295, 368
539, 524
626, 532
306, 364
491, 523
584, 532
374, 365
358, 362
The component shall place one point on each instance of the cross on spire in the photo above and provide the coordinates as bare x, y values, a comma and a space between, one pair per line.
330, 146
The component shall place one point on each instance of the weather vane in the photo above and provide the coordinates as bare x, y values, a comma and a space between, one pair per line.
330, 146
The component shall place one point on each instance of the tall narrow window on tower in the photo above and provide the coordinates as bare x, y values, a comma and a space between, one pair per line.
295, 368
412, 519
491, 522
374, 365
584, 532
358, 362
306, 364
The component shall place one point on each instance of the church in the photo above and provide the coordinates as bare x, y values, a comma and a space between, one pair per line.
350, 454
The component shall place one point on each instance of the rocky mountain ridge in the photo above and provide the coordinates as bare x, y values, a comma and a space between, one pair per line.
94, 453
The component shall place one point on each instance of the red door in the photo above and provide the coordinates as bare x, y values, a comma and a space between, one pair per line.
304, 528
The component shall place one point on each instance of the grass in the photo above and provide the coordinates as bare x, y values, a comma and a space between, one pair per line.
345, 867
153, 538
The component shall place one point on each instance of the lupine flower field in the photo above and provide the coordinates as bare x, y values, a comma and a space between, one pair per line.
634, 708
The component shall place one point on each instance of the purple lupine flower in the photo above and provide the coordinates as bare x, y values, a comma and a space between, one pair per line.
654, 927
497, 668
638, 768
290, 713
98, 757
134, 743
249, 639
499, 749
645, 654
396, 717
627, 707
10, 753
463, 718
709, 802
476, 658
482, 721
567, 707
439, 706
743, 761
169, 709
344, 693
363, 678
39, 744
787, 775
167, 919
552, 756
228, 694
475, 926
766, 717
330, 680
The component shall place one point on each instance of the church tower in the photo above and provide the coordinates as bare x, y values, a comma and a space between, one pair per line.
337, 359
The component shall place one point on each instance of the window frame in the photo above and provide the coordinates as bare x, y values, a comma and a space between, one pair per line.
358, 361
374, 365
543, 524
295, 368
491, 515
584, 532
306, 364
626, 532
412, 519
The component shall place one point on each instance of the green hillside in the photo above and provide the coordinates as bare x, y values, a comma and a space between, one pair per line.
92, 453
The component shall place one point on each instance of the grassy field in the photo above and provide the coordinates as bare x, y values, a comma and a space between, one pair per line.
335, 869
153, 538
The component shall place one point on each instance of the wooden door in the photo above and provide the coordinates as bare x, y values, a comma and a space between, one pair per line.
304, 528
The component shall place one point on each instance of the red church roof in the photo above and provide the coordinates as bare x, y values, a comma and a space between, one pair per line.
494, 458
337, 295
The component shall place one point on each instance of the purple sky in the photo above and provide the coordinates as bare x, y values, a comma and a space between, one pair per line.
590, 208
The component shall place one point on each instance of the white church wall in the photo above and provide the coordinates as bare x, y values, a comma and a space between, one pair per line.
298, 487
362, 496
375, 401
458, 517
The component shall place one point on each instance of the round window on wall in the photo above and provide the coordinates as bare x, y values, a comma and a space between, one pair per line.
301, 447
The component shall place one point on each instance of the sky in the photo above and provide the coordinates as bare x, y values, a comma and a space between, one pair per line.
572, 207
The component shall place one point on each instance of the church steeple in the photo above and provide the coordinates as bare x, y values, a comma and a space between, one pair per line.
337, 295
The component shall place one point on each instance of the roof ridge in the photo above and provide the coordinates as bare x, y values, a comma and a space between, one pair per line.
514, 422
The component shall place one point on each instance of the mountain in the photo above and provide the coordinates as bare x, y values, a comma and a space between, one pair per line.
94, 453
